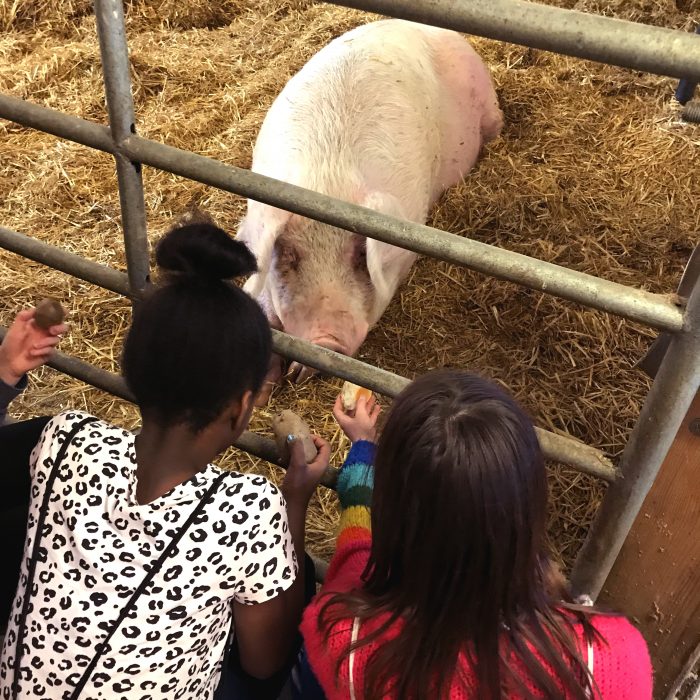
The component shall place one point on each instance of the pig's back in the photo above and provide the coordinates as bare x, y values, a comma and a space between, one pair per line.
365, 114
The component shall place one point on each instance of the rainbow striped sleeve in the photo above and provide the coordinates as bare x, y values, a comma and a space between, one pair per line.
354, 487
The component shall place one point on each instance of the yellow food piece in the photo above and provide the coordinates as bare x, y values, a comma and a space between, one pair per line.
351, 394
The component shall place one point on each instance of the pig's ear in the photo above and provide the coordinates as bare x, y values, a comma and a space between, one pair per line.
387, 264
259, 230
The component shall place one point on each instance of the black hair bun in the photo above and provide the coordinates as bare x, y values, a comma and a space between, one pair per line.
204, 250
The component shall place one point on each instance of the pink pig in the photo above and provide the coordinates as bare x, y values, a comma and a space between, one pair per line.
386, 116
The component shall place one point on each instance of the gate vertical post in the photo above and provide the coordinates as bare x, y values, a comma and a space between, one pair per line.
111, 31
670, 397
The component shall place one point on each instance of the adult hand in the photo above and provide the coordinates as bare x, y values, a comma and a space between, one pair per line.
362, 423
301, 478
26, 346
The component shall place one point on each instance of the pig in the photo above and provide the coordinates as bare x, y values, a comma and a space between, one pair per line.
387, 116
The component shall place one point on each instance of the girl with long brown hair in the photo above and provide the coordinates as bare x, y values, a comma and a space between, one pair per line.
441, 586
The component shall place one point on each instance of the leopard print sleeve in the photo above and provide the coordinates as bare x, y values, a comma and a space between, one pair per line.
267, 564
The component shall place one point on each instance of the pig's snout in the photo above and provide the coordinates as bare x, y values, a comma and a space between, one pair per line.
329, 318
332, 343
337, 330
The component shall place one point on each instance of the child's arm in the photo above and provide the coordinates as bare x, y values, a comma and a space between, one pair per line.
24, 348
266, 632
354, 488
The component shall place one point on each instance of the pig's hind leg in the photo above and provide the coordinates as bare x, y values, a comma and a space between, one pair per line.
470, 115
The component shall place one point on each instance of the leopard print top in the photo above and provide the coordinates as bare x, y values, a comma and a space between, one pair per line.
95, 549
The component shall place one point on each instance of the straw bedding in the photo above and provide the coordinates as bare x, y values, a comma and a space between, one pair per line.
594, 172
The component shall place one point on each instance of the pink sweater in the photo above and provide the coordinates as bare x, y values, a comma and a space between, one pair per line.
621, 667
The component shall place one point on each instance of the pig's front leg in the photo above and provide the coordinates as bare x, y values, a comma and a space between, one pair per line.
273, 377
279, 369
276, 366
298, 373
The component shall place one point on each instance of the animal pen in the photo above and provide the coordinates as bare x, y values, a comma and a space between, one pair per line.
607, 40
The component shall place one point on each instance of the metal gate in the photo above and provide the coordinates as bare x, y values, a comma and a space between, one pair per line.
613, 41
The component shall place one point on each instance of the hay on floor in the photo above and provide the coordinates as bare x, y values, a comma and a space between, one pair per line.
594, 172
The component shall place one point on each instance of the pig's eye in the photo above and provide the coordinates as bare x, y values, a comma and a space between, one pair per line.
359, 254
286, 256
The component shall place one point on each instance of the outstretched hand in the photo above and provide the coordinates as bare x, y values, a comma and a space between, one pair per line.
26, 346
302, 478
360, 424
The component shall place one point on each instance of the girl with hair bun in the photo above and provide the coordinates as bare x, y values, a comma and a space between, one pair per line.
140, 555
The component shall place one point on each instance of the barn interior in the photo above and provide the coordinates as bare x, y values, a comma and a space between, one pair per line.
594, 171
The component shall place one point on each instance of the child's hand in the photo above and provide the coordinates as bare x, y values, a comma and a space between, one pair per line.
26, 347
301, 478
362, 424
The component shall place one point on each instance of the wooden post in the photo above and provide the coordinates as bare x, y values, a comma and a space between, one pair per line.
656, 578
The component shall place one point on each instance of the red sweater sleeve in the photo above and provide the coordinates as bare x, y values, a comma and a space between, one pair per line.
354, 488
621, 663
355, 483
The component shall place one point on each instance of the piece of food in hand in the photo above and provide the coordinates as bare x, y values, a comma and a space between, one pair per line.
351, 394
49, 312
289, 423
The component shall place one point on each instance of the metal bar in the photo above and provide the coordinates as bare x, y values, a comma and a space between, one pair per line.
51, 121
603, 39
557, 448
72, 366
569, 451
111, 31
263, 447
656, 310
356, 371
255, 444
62, 260
673, 390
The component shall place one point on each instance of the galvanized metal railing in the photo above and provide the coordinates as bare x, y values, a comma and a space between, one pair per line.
569, 32
557, 448
656, 310
573, 33
111, 31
